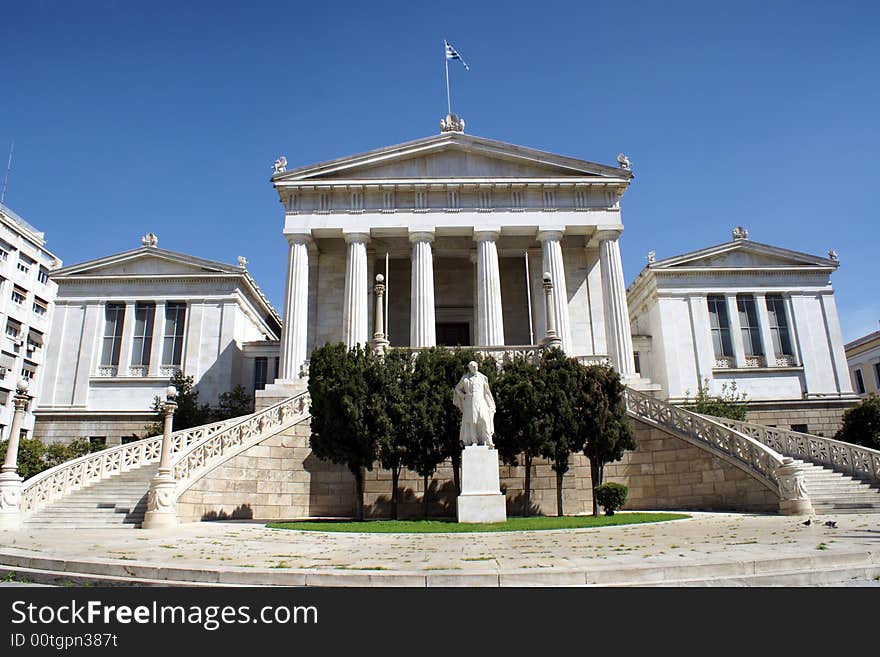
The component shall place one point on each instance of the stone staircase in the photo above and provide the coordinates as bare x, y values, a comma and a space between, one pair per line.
116, 502
834, 492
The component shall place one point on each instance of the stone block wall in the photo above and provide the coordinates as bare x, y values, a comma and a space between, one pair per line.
282, 479
65, 428
820, 418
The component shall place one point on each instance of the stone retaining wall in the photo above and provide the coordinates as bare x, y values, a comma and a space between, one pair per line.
281, 478
819, 418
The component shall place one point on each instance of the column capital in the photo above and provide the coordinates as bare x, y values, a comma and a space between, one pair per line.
422, 235
550, 234
605, 234
358, 237
298, 238
487, 234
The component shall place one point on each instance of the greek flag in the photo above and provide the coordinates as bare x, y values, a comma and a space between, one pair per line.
452, 53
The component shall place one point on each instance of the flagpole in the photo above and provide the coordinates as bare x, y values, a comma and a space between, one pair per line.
446, 61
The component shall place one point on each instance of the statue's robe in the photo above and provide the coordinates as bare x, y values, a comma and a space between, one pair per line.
477, 406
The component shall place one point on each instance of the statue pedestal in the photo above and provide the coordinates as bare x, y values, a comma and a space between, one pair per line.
481, 499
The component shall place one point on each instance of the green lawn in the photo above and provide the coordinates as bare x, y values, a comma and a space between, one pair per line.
532, 523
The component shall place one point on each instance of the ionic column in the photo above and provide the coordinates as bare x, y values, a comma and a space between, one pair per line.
490, 322
617, 327
296, 307
554, 265
354, 309
422, 331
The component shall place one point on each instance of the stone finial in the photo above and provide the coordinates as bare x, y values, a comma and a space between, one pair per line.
740, 233
652, 257
623, 162
832, 254
242, 262
150, 239
21, 388
280, 164
451, 123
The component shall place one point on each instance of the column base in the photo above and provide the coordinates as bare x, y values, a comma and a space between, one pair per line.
10, 501
161, 503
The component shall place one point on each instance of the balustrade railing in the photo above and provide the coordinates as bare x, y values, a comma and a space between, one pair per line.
54, 483
189, 464
855, 460
761, 459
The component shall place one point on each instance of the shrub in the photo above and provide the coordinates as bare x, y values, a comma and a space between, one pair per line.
731, 403
611, 496
861, 424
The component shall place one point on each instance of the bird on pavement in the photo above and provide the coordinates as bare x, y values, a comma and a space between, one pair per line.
808, 522
831, 524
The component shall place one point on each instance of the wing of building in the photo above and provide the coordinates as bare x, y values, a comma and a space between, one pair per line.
463, 229
125, 323
758, 315
863, 358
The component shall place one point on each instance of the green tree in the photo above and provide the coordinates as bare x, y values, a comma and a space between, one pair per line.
389, 381
34, 456
234, 403
521, 418
341, 431
562, 377
731, 403
427, 447
861, 424
606, 431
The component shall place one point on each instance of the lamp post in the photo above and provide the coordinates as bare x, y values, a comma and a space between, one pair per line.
379, 343
161, 512
551, 339
10, 481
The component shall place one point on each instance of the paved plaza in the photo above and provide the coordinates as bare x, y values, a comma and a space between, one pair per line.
707, 549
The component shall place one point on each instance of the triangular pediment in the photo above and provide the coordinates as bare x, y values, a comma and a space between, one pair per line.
146, 261
743, 254
452, 155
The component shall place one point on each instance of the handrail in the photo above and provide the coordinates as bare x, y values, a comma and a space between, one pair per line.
56, 482
855, 460
190, 464
753, 456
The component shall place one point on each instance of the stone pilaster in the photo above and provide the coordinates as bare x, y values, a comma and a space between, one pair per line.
296, 307
617, 328
355, 310
422, 329
554, 265
490, 321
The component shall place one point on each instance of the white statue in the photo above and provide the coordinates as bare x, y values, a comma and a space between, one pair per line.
280, 165
474, 399
624, 162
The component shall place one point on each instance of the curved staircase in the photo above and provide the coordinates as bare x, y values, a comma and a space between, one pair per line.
109, 488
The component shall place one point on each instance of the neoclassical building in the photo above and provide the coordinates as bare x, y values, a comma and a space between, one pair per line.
125, 323
863, 357
462, 229
758, 315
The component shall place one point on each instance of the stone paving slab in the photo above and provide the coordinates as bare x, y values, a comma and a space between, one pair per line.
707, 547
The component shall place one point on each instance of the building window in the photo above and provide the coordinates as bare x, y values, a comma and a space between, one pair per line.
748, 321
4, 250
40, 307
97, 442
637, 362
720, 326
277, 361
13, 329
142, 342
779, 325
877, 375
859, 381
172, 348
43, 276
34, 340
261, 366
800, 428
24, 263
29, 371
18, 295
114, 317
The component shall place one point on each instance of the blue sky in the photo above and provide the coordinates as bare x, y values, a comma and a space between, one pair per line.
131, 117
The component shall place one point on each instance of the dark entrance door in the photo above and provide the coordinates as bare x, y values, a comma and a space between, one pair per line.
452, 334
